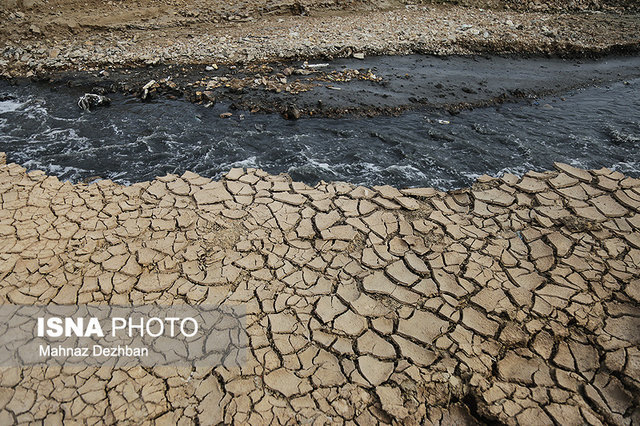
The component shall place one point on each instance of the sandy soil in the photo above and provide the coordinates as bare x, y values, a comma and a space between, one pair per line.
39, 37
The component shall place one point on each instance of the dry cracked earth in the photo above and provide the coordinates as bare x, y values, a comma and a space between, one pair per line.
515, 301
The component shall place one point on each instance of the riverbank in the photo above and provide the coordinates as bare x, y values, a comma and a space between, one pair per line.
43, 38
515, 300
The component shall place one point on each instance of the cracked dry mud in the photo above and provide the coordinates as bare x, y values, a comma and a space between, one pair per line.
516, 300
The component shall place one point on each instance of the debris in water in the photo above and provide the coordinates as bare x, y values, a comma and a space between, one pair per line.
91, 100
291, 113
145, 89
308, 65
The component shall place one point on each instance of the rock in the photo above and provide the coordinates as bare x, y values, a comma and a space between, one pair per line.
31, 4
358, 55
299, 9
146, 89
91, 100
208, 96
291, 113
226, 115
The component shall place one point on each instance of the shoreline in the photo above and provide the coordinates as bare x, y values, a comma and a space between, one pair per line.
122, 53
436, 29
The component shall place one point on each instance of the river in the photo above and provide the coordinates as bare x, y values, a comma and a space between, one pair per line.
130, 141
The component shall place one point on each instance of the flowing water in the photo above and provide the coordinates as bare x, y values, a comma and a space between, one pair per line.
132, 141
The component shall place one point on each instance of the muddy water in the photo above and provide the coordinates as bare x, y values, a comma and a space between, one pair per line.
592, 127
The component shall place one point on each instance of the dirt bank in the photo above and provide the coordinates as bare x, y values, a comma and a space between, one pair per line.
516, 300
40, 37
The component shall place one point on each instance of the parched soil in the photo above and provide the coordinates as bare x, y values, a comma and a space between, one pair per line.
514, 301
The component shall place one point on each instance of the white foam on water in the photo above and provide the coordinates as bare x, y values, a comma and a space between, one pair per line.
247, 162
408, 171
58, 170
10, 105
320, 165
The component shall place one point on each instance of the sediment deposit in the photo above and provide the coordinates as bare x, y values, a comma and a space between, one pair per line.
515, 300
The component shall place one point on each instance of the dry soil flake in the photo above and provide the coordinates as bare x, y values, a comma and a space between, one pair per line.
364, 305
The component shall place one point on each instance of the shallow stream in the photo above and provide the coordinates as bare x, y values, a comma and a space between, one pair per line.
130, 141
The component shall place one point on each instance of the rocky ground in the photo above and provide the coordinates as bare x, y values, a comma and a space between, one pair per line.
199, 49
41, 37
514, 301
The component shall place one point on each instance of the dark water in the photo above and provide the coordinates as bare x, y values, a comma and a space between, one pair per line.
134, 141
